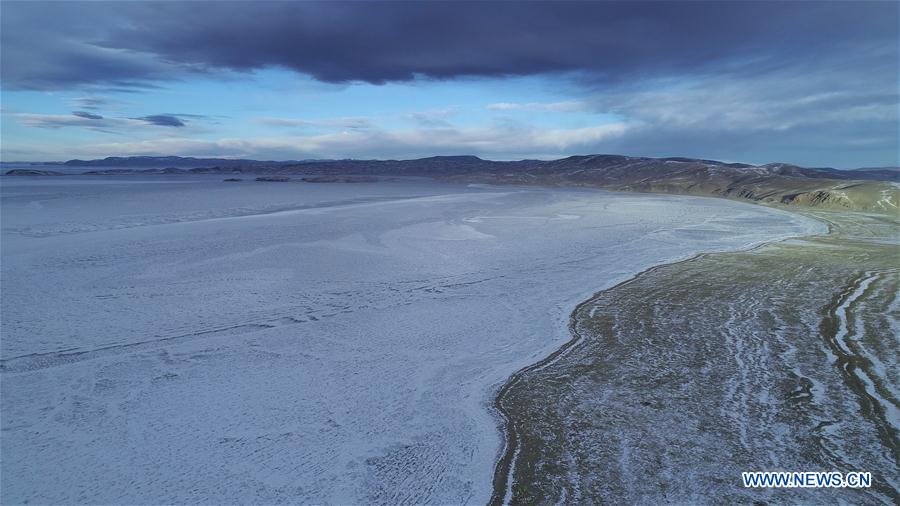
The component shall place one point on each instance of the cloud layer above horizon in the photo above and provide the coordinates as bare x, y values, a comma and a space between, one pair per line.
813, 83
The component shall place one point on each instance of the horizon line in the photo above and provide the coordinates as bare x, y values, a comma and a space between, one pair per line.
313, 160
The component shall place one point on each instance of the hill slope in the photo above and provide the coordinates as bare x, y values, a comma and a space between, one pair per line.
774, 183
871, 190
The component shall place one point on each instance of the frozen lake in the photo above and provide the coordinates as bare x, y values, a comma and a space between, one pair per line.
182, 339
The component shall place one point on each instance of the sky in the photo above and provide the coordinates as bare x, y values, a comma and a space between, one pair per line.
810, 83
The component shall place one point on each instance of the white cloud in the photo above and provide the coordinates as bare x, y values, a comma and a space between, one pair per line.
777, 117
433, 118
56, 121
96, 103
498, 141
347, 122
774, 104
568, 106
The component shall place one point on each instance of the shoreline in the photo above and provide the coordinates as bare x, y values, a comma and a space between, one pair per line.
557, 315
541, 440
504, 474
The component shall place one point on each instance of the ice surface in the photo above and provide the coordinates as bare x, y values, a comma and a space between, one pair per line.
169, 340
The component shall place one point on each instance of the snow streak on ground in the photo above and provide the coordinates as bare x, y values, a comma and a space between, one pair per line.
187, 340
680, 379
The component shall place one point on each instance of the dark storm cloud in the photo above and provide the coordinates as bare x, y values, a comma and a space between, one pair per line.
86, 115
49, 45
162, 120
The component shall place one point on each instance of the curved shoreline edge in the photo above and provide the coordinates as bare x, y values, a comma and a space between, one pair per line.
504, 469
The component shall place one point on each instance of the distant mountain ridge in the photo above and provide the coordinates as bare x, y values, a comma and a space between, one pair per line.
868, 189
170, 161
873, 173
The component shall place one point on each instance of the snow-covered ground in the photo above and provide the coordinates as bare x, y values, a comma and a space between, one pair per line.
169, 340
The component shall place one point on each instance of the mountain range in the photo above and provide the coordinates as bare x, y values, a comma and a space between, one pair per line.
868, 189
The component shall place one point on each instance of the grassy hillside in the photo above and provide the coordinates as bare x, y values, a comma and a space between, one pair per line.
774, 183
